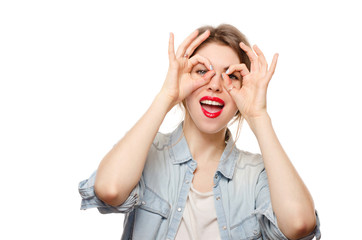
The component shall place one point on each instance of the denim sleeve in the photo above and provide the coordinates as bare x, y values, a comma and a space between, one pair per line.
266, 216
90, 200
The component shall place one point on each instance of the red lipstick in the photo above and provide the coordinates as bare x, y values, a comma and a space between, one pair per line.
211, 106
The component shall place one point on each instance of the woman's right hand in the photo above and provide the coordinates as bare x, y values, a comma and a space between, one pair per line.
179, 83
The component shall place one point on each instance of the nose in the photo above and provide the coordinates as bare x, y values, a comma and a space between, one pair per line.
216, 83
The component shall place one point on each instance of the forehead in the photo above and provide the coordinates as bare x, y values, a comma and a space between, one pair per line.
219, 55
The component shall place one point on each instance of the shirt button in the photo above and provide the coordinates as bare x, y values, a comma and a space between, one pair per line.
179, 209
143, 203
215, 176
187, 182
217, 198
255, 232
224, 227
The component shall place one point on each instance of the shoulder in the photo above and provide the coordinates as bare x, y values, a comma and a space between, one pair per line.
166, 141
158, 149
161, 141
249, 165
248, 159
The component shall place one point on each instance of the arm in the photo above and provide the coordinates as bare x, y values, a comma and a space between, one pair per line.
291, 200
292, 203
121, 169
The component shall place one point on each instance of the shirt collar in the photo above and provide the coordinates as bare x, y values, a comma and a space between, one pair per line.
180, 152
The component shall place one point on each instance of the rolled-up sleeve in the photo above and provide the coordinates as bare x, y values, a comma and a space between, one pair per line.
265, 214
90, 200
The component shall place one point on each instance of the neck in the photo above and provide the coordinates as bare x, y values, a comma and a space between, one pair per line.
203, 146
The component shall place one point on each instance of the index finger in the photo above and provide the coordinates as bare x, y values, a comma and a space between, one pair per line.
200, 59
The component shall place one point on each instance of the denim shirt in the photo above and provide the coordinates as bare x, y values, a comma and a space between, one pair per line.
155, 206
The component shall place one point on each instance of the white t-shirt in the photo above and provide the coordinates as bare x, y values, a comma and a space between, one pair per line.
199, 217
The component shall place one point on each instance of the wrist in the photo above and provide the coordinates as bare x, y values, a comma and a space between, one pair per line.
164, 100
259, 123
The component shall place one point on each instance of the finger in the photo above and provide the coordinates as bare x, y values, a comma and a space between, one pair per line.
171, 48
183, 46
252, 57
200, 59
197, 42
273, 65
228, 85
262, 60
242, 68
203, 80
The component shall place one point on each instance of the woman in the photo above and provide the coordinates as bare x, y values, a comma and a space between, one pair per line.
194, 183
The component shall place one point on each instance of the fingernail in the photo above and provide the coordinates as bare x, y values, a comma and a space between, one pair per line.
227, 71
211, 68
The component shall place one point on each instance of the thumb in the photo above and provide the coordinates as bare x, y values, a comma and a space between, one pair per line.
228, 84
204, 79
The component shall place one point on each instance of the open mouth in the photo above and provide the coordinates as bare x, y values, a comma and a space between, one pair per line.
211, 106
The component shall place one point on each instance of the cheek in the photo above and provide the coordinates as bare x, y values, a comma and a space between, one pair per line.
234, 108
237, 83
195, 75
189, 103
232, 105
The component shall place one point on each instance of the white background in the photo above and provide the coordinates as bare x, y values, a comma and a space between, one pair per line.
76, 75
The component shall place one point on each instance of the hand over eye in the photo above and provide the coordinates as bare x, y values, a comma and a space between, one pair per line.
250, 97
179, 83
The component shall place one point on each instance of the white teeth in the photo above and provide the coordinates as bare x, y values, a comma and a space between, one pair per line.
209, 102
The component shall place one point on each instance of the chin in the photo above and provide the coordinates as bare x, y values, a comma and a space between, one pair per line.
210, 128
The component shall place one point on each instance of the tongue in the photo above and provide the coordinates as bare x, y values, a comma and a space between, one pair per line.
211, 108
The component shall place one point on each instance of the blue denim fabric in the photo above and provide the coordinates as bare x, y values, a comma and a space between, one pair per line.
155, 206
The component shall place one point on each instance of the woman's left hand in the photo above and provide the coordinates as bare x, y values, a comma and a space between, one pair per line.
250, 95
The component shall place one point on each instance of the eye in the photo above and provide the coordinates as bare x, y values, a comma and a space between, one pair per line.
201, 72
232, 76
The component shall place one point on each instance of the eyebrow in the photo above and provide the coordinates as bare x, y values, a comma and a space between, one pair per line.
225, 68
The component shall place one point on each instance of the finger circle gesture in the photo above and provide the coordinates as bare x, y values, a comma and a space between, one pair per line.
179, 84
250, 98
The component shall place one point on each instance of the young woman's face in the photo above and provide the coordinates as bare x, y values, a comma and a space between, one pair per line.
211, 107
